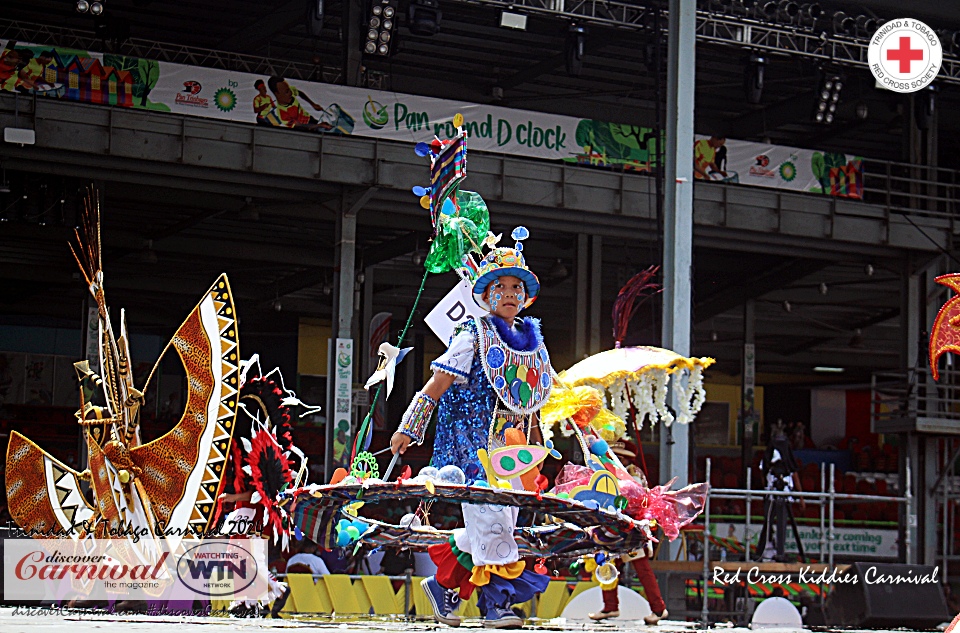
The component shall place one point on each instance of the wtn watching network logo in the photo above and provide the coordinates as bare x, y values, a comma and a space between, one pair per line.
217, 568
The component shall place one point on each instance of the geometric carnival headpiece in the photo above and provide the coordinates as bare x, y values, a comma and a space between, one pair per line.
501, 262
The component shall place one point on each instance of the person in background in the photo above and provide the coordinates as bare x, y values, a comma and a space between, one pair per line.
781, 473
292, 112
9, 67
705, 157
262, 103
641, 565
307, 561
32, 73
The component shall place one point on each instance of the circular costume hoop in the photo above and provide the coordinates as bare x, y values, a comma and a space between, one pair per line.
572, 528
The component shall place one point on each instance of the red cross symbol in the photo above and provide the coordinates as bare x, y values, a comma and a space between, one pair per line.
905, 54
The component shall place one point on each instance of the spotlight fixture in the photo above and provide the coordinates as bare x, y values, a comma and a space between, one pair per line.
866, 26
823, 289
424, 17
713, 336
510, 20
828, 96
868, 270
380, 27
94, 8
753, 78
843, 24
862, 111
787, 306
314, 17
576, 39
787, 11
925, 104
417, 258
277, 306
810, 11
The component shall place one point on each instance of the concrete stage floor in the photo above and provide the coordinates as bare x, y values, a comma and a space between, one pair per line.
51, 621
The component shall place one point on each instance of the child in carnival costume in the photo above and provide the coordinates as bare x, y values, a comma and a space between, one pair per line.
487, 388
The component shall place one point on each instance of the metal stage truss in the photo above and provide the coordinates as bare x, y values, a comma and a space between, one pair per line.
174, 53
742, 32
724, 30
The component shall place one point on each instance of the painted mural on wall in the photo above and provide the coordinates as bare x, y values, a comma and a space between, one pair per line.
765, 165
280, 102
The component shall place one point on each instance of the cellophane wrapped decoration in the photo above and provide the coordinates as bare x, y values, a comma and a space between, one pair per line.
672, 509
459, 233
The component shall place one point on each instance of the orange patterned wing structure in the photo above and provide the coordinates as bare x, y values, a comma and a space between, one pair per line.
182, 471
945, 334
43, 494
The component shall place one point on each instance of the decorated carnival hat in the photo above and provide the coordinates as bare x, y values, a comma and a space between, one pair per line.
502, 262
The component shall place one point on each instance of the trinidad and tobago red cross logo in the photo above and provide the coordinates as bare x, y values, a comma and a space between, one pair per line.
904, 55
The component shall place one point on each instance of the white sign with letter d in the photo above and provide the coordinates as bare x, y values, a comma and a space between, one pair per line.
452, 310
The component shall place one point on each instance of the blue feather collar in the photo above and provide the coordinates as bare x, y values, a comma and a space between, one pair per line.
524, 336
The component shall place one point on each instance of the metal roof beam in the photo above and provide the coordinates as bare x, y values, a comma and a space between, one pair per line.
253, 36
769, 280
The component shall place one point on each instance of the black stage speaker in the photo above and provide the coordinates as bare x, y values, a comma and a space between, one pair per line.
888, 596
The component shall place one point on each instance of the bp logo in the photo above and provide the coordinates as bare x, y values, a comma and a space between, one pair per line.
788, 171
225, 100
375, 114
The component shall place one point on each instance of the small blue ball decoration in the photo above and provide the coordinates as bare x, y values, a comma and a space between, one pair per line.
599, 447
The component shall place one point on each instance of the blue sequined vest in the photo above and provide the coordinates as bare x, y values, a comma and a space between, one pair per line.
465, 413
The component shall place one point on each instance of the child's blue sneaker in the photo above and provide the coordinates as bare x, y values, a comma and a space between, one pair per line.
444, 601
502, 618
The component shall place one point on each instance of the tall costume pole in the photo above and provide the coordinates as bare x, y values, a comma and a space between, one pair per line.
678, 219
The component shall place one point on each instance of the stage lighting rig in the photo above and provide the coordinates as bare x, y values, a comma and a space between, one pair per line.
380, 27
828, 96
424, 17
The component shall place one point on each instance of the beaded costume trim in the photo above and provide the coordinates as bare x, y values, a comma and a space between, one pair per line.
521, 380
417, 416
